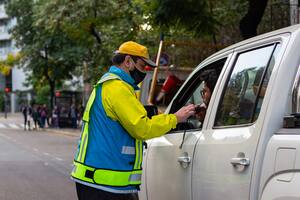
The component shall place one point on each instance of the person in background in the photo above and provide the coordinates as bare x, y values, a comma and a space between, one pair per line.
43, 114
73, 115
107, 165
55, 117
48, 115
80, 114
26, 111
35, 117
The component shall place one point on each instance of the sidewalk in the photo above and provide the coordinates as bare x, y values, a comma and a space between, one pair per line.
12, 118
17, 118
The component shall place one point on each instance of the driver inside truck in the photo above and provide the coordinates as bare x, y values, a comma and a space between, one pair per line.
209, 78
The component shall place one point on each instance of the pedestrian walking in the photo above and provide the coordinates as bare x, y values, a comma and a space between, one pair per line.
26, 111
108, 161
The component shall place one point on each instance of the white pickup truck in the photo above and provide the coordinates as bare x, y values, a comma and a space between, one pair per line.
248, 146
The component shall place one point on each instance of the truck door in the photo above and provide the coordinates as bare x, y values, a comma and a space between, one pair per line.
223, 158
168, 159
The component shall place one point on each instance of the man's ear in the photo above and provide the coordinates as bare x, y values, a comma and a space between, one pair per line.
128, 61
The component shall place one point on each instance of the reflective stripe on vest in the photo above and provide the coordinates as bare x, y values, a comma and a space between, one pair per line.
105, 176
138, 154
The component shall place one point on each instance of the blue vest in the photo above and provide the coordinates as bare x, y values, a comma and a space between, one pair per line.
107, 158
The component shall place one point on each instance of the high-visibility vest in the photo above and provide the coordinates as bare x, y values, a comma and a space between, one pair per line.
100, 176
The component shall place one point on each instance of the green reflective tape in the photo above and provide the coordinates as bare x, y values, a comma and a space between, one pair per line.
79, 172
107, 177
86, 114
116, 178
83, 143
138, 154
141, 157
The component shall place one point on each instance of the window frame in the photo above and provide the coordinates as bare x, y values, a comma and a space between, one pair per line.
220, 100
188, 88
296, 93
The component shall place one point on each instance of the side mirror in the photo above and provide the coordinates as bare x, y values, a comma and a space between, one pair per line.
151, 110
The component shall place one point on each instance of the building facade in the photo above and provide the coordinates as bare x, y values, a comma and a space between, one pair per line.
14, 81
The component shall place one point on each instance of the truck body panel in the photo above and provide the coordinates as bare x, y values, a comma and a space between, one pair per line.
240, 150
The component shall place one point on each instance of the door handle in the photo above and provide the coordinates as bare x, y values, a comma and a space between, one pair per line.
240, 161
184, 159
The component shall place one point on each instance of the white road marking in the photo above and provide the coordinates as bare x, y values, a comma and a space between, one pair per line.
46, 154
35, 149
14, 126
2, 125
5, 136
59, 159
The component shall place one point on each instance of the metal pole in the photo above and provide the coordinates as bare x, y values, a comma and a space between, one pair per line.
155, 72
5, 105
293, 12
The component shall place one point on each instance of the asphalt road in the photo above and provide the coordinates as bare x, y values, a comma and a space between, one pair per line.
36, 165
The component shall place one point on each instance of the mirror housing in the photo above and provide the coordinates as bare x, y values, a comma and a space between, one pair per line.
151, 110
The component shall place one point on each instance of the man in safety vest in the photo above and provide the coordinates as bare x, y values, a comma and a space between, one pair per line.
108, 161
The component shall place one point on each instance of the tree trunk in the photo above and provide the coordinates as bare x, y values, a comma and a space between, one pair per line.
214, 38
52, 93
50, 81
250, 22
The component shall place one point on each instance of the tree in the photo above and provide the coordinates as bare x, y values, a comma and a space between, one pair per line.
194, 16
94, 27
49, 56
250, 22
7, 64
207, 17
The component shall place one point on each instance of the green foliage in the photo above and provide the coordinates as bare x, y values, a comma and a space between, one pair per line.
42, 95
228, 14
49, 55
192, 15
8, 63
59, 37
98, 27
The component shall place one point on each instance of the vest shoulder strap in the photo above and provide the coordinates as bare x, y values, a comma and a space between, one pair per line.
105, 77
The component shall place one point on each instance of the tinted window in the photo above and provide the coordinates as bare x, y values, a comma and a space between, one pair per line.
244, 92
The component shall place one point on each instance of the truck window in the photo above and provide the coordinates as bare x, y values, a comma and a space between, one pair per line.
245, 89
198, 92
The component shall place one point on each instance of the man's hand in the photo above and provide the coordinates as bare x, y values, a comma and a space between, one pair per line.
185, 112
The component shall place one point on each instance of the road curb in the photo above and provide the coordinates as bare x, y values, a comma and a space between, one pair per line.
62, 132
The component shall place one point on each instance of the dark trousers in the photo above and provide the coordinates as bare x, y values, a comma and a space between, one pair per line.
88, 193
26, 122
